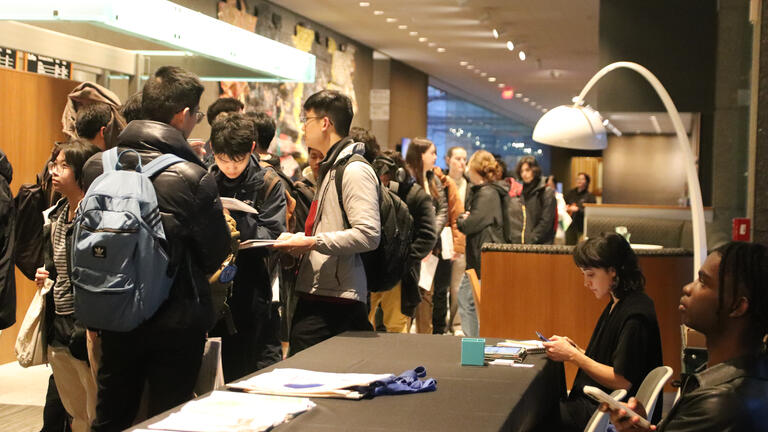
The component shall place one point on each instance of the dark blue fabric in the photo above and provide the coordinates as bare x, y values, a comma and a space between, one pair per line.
406, 382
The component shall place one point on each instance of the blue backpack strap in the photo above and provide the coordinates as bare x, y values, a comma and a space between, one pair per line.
160, 163
109, 159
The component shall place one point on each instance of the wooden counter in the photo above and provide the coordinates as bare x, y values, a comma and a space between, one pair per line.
529, 287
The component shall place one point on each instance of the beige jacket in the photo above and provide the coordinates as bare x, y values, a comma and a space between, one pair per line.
334, 268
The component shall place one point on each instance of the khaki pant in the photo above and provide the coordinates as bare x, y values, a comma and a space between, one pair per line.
423, 315
76, 386
393, 318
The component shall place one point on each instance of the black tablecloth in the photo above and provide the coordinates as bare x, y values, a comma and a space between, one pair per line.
468, 398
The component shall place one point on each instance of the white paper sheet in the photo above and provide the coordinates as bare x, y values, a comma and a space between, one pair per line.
224, 411
428, 268
446, 239
256, 243
301, 382
237, 205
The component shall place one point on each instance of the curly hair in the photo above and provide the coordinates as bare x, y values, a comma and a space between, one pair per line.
744, 273
485, 165
611, 251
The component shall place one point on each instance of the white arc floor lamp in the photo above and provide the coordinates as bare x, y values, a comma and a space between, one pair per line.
580, 127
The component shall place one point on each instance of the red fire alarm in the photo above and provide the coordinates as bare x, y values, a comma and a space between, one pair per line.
508, 93
740, 230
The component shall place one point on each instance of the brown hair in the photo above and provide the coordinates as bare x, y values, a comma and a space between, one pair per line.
485, 165
416, 148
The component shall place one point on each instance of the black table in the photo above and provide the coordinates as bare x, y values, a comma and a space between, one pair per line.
468, 398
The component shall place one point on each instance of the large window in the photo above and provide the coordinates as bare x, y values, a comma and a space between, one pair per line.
452, 121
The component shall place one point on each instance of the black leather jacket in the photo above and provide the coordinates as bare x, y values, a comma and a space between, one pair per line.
540, 210
192, 217
728, 397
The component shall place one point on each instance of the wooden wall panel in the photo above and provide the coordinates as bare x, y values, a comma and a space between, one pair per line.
525, 292
408, 103
30, 122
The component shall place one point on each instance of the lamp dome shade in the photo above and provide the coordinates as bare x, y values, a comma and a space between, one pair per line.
574, 126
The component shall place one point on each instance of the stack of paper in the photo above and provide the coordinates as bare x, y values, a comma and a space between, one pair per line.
300, 382
224, 411
531, 346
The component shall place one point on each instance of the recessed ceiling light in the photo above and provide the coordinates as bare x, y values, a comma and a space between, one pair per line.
441, 50
538, 106
495, 32
413, 33
378, 12
491, 79
518, 95
470, 67
402, 26
432, 44
521, 55
391, 20
533, 103
422, 39
364, 4
502, 85
544, 110
526, 99
463, 63
510, 45
483, 74
477, 71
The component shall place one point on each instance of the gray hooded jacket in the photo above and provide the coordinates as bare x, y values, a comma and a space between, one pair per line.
334, 267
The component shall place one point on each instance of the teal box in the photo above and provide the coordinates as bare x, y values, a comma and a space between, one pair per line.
472, 351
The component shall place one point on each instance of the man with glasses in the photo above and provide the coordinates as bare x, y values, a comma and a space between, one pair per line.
166, 350
331, 284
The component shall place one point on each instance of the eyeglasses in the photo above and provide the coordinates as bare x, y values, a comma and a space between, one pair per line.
304, 119
56, 167
199, 116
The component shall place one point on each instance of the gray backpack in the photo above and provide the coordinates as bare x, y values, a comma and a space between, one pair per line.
119, 268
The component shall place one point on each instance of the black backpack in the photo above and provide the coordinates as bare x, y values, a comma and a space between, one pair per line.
385, 265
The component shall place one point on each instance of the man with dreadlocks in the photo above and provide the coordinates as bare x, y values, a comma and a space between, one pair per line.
729, 304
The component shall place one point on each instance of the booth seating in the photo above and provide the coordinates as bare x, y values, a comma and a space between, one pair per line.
538, 287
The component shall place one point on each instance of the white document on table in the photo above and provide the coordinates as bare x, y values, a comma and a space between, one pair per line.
307, 383
428, 269
446, 239
224, 411
237, 205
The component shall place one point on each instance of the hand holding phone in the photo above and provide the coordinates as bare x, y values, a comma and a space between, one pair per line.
601, 397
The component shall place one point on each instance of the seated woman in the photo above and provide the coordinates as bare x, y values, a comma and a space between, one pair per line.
625, 345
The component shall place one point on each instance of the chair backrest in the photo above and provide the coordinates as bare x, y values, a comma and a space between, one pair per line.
599, 420
650, 389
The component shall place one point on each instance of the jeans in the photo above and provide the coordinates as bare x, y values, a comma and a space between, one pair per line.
469, 323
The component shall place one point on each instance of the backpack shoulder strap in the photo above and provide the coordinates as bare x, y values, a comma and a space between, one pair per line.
160, 163
109, 159
338, 177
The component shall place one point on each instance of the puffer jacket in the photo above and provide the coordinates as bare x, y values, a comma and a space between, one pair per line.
540, 207
192, 216
485, 223
7, 240
728, 397
334, 268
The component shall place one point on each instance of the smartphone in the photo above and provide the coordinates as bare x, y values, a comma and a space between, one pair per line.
541, 337
502, 351
600, 396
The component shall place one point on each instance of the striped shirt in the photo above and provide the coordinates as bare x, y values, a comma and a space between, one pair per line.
63, 297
